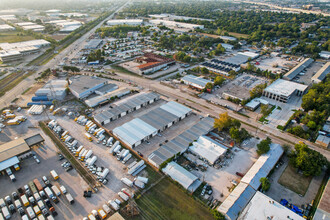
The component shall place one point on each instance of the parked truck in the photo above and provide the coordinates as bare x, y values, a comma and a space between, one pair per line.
69, 198
54, 174
5, 212
32, 187
88, 136
38, 184
127, 181
30, 212
123, 196
92, 161
25, 201
50, 194
56, 190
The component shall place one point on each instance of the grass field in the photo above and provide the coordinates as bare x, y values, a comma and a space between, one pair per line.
11, 37
294, 181
238, 35
167, 201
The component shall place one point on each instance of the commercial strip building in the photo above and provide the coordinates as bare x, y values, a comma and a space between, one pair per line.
195, 81
15, 51
83, 86
132, 22
180, 143
282, 90
138, 130
10, 151
208, 149
220, 67
151, 62
298, 69
188, 180
174, 24
126, 106
323, 208
264, 207
322, 73
245, 190
6, 27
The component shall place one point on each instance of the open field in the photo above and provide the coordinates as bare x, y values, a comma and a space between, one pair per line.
294, 181
167, 201
12, 36
238, 35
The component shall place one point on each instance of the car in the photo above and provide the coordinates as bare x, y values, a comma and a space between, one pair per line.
12, 209
44, 178
45, 212
8, 200
67, 169
21, 211
26, 187
15, 195
60, 157
48, 203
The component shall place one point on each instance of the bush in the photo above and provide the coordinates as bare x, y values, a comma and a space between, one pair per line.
264, 146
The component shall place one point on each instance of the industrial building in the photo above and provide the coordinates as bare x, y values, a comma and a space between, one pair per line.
132, 22
10, 151
264, 207
322, 73
220, 67
174, 24
208, 149
105, 98
298, 69
323, 140
138, 130
228, 38
325, 54
53, 89
180, 143
195, 81
125, 106
93, 44
83, 86
227, 46
282, 90
255, 103
6, 27
151, 62
245, 190
323, 208
188, 180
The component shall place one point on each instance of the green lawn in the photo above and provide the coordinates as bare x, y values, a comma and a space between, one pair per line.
168, 201
11, 37
294, 181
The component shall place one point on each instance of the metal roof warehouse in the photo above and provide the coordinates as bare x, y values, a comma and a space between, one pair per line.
126, 106
134, 132
181, 143
322, 73
297, 69
195, 81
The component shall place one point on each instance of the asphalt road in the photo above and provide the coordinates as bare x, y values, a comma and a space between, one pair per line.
75, 47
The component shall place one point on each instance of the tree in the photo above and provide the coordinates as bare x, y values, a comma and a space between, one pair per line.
209, 86
217, 215
219, 80
264, 146
309, 161
223, 122
235, 134
204, 70
265, 184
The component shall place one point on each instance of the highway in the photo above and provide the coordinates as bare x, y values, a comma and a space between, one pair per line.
206, 108
72, 49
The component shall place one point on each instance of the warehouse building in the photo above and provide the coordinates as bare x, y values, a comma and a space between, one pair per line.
10, 151
105, 98
322, 73
238, 59
282, 90
195, 81
220, 67
264, 207
250, 183
93, 44
174, 24
8, 56
35, 27
228, 38
298, 69
255, 103
323, 208
132, 22
6, 27
83, 86
227, 46
53, 89
180, 143
208, 149
126, 106
188, 180
325, 54
138, 130
151, 62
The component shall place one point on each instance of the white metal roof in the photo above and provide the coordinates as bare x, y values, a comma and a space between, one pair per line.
236, 201
297, 69
180, 174
263, 166
264, 207
176, 109
322, 73
196, 80
284, 87
8, 163
208, 149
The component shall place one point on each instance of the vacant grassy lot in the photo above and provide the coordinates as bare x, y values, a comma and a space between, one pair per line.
167, 201
14, 36
238, 35
294, 181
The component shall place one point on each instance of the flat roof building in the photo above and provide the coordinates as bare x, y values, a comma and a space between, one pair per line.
220, 67
323, 209
322, 73
323, 140
325, 54
6, 27
264, 207
298, 69
83, 86
282, 90
93, 44
195, 81
151, 62
102, 99
185, 178
174, 24
228, 38
132, 22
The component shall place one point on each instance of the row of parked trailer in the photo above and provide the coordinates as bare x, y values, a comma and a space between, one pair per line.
81, 153
124, 195
36, 198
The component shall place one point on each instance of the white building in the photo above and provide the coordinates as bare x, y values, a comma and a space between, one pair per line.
209, 149
227, 46
325, 54
133, 22
54, 89
264, 207
174, 24
188, 180
196, 82
282, 90
322, 73
83, 86
6, 27
298, 69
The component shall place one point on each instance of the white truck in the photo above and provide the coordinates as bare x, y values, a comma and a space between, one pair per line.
123, 196
113, 205
30, 212
104, 174
127, 181
106, 208
5, 212
92, 161
127, 158
56, 190
69, 198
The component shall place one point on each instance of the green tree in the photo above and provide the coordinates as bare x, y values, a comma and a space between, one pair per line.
219, 80
223, 122
235, 134
264, 146
209, 86
204, 70
265, 184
